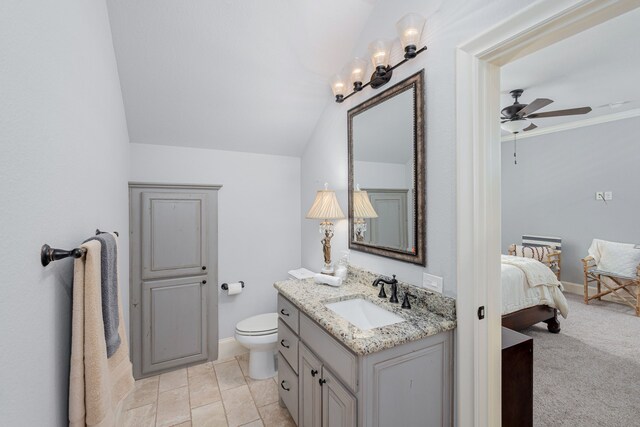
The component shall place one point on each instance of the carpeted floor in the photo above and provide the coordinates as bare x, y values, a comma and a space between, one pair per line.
589, 373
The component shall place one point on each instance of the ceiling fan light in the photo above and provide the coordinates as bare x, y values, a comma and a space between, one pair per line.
515, 126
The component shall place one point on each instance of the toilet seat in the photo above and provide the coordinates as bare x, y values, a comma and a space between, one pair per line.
262, 324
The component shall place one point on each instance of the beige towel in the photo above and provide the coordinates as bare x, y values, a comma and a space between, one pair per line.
97, 385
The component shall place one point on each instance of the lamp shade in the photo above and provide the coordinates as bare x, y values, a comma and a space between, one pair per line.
379, 51
410, 29
325, 206
338, 85
362, 207
515, 126
357, 69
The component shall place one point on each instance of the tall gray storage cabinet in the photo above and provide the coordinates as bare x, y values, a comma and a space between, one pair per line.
173, 276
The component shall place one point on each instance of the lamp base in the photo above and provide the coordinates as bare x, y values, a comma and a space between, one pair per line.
327, 269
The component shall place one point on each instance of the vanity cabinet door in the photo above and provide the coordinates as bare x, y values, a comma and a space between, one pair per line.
338, 405
309, 389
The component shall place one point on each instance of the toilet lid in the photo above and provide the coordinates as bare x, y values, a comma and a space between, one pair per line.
262, 324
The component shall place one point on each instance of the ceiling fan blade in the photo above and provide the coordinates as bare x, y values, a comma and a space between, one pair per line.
537, 104
504, 121
558, 113
530, 127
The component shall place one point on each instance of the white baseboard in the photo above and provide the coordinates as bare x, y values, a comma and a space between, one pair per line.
578, 289
229, 347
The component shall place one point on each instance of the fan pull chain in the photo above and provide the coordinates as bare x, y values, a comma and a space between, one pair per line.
515, 153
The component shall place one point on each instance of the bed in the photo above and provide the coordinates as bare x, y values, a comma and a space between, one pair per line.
531, 290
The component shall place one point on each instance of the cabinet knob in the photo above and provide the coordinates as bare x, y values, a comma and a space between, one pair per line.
284, 313
204, 282
322, 381
314, 372
282, 343
204, 267
283, 387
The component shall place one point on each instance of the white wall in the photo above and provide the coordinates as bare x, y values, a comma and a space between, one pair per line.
449, 23
63, 173
380, 175
551, 191
259, 217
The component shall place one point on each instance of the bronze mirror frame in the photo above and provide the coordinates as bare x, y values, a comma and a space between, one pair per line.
416, 84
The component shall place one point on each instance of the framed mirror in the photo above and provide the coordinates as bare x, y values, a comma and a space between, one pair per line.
387, 173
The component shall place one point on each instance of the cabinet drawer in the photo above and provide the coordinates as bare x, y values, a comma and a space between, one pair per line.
343, 363
288, 313
288, 386
288, 345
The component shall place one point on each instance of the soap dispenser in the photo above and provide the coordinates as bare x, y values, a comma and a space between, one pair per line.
343, 264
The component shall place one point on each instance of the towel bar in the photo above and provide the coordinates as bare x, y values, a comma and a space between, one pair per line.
100, 232
48, 254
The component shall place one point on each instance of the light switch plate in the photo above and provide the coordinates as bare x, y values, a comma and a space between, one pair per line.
431, 282
608, 195
599, 195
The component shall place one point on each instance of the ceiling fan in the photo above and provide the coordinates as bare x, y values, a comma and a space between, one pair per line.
516, 117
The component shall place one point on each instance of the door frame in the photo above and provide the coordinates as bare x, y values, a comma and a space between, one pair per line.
478, 225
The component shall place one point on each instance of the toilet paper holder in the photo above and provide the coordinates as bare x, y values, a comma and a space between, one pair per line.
225, 287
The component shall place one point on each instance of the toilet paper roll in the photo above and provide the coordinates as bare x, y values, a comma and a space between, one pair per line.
235, 288
327, 280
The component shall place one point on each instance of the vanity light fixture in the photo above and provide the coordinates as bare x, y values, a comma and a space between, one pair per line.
362, 209
325, 207
410, 30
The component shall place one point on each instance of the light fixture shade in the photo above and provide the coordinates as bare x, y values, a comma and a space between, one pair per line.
362, 207
338, 85
410, 29
325, 206
379, 51
357, 69
515, 126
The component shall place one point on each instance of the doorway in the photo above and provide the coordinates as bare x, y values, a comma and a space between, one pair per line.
478, 187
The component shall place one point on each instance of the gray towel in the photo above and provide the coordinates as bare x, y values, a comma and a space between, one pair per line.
109, 284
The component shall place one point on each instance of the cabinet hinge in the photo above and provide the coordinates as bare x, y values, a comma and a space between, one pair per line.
481, 312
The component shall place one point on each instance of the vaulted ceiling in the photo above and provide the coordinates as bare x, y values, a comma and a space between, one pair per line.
248, 75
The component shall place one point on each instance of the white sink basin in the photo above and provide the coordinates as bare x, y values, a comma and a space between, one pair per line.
364, 314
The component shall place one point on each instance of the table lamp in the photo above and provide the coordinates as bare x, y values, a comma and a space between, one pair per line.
325, 207
362, 209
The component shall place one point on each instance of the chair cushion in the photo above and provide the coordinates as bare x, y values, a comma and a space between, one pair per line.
622, 259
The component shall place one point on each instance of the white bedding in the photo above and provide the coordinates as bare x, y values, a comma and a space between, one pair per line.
517, 294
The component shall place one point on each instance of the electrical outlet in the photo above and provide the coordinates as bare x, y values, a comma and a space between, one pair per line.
431, 282
608, 195
599, 195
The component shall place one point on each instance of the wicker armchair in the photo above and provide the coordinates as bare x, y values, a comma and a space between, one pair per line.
614, 284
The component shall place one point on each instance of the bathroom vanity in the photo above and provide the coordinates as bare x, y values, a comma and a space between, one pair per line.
333, 373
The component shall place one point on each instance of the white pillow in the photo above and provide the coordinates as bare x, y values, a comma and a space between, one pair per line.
620, 258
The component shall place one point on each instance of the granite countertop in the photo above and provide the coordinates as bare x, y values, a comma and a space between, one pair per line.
430, 313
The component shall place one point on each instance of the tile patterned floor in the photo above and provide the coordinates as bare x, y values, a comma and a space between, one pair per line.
216, 394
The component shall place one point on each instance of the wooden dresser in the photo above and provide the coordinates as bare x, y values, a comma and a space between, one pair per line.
517, 379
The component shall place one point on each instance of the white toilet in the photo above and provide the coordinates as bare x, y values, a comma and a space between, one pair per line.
259, 334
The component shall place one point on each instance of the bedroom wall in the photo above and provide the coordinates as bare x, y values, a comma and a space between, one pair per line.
63, 173
551, 191
449, 23
258, 217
